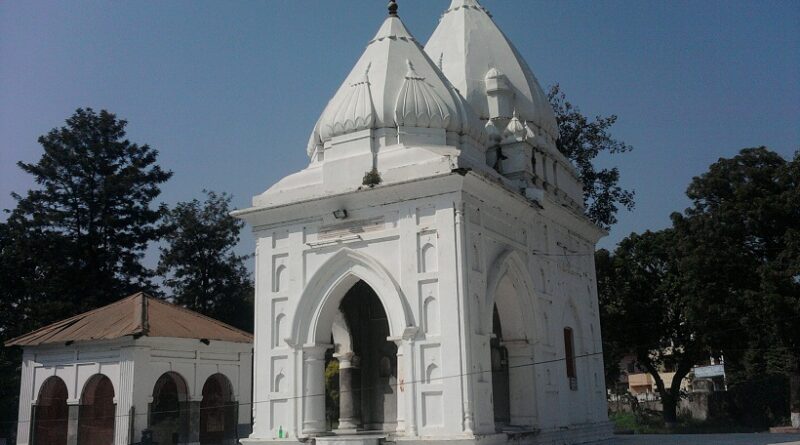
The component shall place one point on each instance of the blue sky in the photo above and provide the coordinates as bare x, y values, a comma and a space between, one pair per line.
229, 91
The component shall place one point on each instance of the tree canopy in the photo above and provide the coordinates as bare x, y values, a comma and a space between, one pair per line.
582, 140
723, 280
200, 266
77, 241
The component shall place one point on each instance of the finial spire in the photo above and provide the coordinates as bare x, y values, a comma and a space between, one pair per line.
392, 8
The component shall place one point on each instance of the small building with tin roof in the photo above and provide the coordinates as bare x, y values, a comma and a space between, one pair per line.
105, 376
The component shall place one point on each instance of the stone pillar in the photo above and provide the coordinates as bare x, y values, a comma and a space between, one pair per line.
349, 420
521, 381
73, 415
314, 389
192, 424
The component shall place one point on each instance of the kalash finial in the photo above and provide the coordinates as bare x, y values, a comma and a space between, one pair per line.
392, 8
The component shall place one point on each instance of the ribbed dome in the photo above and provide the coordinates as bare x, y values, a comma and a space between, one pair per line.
394, 83
418, 105
353, 112
491, 133
472, 49
515, 131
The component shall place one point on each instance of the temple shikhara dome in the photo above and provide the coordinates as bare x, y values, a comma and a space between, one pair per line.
433, 255
487, 69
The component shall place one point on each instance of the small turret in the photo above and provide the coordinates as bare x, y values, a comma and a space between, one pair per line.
500, 95
515, 130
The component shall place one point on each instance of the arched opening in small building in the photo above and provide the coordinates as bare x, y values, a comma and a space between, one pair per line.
51, 413
169, 419
97, 412
361, 375
218, 412
501, 396
513, 373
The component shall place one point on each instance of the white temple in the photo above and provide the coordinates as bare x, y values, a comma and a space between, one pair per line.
435, 248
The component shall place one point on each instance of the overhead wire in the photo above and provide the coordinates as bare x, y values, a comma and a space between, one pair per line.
401, 383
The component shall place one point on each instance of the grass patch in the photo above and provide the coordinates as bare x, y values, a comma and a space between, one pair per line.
651, 422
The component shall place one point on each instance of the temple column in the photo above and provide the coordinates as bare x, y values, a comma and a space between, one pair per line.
314, 389
349, 420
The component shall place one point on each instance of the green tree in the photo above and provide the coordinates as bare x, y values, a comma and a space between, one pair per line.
94, 204
581, 140
615, 345
742, 257
200, 267
648, 311
77, 240
725, 278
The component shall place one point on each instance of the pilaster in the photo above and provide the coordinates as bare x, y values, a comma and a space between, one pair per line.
314, 389
73, 413
25, 400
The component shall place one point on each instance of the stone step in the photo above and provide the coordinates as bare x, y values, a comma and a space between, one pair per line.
351, 439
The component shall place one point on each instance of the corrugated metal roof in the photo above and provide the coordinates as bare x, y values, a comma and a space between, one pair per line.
138, 314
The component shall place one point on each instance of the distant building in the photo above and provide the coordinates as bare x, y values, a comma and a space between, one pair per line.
102, 377
708, 377
436, 246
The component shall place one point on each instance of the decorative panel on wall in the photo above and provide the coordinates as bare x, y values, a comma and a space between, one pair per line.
426, 244
429, 296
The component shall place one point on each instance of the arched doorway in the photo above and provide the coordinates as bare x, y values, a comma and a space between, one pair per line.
320, 303
51, 413
217, 412
168, 412
511, 353
367, 380
501, 395
97, 412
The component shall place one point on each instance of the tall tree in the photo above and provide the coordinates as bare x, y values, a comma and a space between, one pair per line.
77, 240
201, 268
94, 200
647, 311
725, 278
615, 344
582, 140
742, 244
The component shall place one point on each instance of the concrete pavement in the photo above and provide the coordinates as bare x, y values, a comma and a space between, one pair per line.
708, 439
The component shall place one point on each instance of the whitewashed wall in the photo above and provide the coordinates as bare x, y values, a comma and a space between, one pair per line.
133, 366
433, 261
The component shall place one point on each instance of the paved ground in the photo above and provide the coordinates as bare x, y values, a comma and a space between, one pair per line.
708, 439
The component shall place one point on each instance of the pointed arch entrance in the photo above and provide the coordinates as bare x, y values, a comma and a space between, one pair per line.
51, 413
511, 318
352, 293
372, 394
169, 418
97, 412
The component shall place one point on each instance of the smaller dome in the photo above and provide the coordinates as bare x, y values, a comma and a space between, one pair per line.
418, 105
493, 136
353, 113
395, 84
493, 73
515, 130
530, 135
